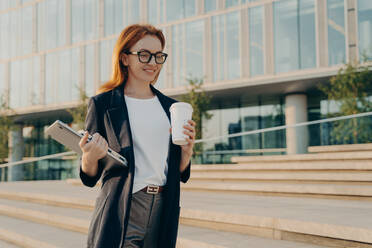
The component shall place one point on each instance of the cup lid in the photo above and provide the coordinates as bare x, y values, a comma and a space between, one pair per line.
180, 105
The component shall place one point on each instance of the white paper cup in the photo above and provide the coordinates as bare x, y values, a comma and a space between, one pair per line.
181, 113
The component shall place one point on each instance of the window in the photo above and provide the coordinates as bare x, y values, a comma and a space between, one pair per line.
132, 12
179, 9
113, 16
225, 46
106, 49
294, 35
89, 70
210, 5
256, 45
51, 18
84, 23
155, 11
336, 32
187, 50
365, 29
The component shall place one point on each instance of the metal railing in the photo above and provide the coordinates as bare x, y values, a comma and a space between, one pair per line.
55, 167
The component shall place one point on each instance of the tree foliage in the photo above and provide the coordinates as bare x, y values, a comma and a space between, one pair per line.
79, 113
5, 126
199, 101
349, 89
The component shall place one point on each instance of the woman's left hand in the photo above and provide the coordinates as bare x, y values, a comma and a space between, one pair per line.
187, 150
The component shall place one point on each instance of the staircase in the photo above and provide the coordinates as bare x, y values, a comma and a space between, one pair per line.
300, 201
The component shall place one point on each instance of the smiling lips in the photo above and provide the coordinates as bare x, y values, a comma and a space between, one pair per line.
149, 71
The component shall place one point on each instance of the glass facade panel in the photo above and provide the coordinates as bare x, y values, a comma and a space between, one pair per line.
89, 70
132, 12
230, 3
256, 45
155, 11
336, 32
84, 20
194, 49
294, 35
177, 51
15, 34
27, 30
106, 49
210, 5
225, 46
51, 19
3, 83
307, 34
113, 16
365, 29
179, 9
16, 93
5, 36
51, 76
62, 76
36, 77
232, 44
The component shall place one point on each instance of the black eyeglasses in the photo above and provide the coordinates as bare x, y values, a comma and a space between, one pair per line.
146, 56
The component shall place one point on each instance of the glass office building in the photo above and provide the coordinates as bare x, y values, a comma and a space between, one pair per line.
251, 54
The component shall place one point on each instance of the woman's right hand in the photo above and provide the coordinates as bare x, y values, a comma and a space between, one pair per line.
95, 149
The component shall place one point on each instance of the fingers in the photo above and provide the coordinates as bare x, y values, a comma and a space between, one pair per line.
84, 139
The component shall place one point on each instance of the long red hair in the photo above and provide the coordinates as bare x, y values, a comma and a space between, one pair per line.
128, 38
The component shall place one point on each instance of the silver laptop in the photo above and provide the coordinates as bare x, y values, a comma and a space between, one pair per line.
67, 136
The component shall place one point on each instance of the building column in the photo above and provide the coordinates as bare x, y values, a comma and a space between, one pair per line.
296, 112
16, 151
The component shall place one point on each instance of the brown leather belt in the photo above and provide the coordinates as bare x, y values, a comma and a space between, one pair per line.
152, 189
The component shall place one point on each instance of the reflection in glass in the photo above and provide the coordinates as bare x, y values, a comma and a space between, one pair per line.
106, 49
26, 30
15, 33
15, 84
194, 49
294, 35
188, 49
179, 74
336, 32
2, 81
131, 12
113, 16
225, 46
365, 28
210, 5
230, 3
84, 20
256, 51
4, 38
179, 9
51, 21
89, 70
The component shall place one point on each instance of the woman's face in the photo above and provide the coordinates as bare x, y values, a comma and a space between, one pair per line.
144, 72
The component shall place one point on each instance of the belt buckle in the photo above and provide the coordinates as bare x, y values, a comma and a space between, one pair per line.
152, 190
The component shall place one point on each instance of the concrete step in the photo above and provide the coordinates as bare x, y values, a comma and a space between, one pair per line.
32, 220
328, 176
365, 165
290, 188
315, 158
340, 148
30, 234
333, 223
196, 236
4, 244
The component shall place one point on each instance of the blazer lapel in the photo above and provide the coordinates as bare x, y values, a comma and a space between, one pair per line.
118, 120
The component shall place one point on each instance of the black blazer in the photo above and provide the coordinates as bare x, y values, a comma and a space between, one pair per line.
107, 114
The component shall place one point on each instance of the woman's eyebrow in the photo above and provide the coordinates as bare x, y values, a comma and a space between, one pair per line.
148, 50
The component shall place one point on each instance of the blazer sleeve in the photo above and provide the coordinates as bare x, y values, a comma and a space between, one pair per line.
185, 175
92, 125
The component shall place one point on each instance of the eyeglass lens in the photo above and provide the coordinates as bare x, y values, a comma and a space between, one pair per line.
145, 57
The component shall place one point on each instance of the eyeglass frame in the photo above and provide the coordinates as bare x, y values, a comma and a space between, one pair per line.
151, 54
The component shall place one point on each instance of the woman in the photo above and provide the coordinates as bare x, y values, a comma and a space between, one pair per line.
138, 205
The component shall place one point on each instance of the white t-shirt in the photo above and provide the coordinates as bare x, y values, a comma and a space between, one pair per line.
150, 133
